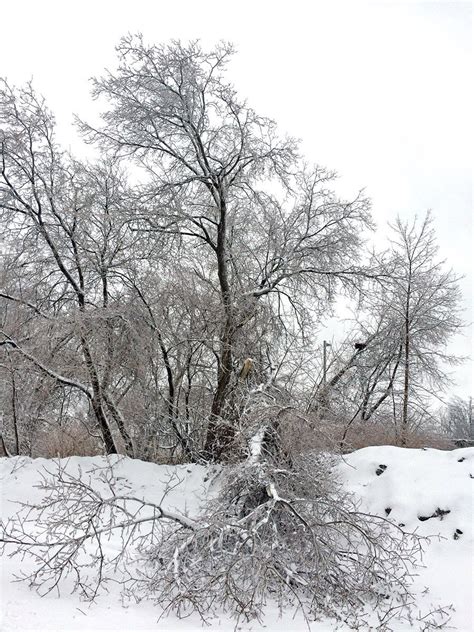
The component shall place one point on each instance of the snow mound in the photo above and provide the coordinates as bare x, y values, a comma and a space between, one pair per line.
427, 490
430, 492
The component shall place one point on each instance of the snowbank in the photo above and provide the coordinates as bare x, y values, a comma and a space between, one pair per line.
429, 491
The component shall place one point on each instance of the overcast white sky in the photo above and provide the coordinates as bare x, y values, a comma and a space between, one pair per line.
380, 91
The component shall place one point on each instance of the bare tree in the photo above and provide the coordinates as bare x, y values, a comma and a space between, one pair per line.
61, 244
220, 181
148, 300
457, 420
180, 312
397, 359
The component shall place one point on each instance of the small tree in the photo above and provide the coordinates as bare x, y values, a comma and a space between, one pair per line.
427, 303
457, 420
397, 358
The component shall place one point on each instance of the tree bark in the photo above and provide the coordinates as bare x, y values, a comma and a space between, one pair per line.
220, 435
109, 442
406, 376
15, 415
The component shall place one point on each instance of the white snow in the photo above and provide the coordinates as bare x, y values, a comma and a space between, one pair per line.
414, 484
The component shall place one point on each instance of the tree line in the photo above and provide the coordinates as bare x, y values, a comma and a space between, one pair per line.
162, 296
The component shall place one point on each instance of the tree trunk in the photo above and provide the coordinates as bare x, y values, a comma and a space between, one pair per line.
3, 447
406, 379
15, 415
220, 435
109, 443
98, 401
114, 411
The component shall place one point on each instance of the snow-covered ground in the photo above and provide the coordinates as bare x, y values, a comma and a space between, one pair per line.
416, 488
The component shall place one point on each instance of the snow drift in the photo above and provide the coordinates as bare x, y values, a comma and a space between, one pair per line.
427, 491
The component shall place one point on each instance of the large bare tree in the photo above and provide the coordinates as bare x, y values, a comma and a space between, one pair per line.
221, 182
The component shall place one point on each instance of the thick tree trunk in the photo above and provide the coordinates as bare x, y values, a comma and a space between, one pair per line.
114, 411
220, 435
98, 401
101, 418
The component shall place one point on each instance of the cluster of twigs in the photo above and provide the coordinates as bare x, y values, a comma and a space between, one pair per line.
72, 532
286, 535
